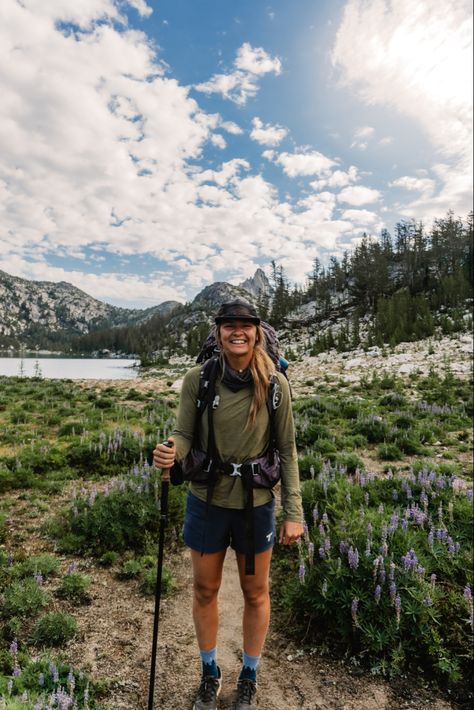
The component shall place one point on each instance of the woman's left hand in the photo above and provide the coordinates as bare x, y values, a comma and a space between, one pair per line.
290, 532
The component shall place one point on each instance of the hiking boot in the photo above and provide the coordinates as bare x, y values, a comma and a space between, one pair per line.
209, 689
246, 695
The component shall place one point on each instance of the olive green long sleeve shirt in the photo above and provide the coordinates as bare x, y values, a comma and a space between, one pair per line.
236, 444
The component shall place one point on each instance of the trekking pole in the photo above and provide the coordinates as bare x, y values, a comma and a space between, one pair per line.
165, 480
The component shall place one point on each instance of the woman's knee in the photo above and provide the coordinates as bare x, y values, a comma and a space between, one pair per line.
205, 592
256, 595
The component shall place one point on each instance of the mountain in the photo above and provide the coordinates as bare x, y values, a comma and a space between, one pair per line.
258, 285
43, 314
47, 314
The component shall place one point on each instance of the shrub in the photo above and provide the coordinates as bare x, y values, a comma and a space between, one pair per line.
3, 528
109, 558
385, 572
389, 452
373, 427
71, 429
25, 598
75, 587
54, 629
44, 565
148, 582
130, 569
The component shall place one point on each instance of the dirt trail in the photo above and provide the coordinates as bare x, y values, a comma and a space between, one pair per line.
287, 681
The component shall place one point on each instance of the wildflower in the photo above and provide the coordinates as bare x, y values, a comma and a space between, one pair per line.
325, 519
394, 495
72, 568
327, 545
322, 553
315, 514
14, 647
377, 593
41, 679
354, 609
369, 529
404, 525
366, 498
343, 547
71, 682
16, 670
10, 686
310, 552
305, 531
322, 530
353, 557
381, 508
38, 578
392, 591
398, 608
301, 572
382, 576
311, 471
467, 593
427, 601
431, 538
324, 588
433, 581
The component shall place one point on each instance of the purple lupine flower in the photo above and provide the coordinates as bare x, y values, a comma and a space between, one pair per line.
324, 588
353, 557
315, 514
431, 538
382, 576
38, 706
327, 545
427, 601
433, 581
71, 682
354, 610
72, 568
38, 578
14, 647
16, 670
467, 593
310, 552
366, 498
325, 519
301, 572
392, 591
370, 529
377, 593
343, 547
10, 686
54, 672
394, 495
322, 553
368, 547
322, 530
398, 608
404, 525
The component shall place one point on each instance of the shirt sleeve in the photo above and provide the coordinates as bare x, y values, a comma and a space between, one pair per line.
187, 410
286, 444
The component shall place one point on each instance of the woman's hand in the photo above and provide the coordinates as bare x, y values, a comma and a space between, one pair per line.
164, 456
290, 532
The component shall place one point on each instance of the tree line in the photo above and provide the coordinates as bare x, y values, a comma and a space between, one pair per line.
408, 284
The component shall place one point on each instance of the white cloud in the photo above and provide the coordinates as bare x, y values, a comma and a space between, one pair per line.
360, 216
251, 64
362, 136
339, 178
231, 127
309, 163
416, 58
358, 195
425, 185
267, 134
218, 141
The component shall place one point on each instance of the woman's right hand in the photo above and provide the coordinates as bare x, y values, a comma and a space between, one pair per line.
164, 456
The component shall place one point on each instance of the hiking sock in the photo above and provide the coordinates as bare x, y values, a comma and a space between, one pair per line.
209, 664
249, 667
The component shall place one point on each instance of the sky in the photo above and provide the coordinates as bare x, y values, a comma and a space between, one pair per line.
150, 148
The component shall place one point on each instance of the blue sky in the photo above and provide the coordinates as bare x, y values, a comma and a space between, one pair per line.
150, 148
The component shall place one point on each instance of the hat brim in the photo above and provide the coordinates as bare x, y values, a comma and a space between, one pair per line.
246, 319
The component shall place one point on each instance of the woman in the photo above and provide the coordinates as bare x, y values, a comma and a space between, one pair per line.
241, 424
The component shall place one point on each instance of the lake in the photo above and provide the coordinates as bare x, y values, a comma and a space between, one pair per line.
69, 368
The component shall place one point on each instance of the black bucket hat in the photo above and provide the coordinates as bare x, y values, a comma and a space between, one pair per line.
237, 310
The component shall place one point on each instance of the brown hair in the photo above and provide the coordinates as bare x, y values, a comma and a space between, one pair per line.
261, 367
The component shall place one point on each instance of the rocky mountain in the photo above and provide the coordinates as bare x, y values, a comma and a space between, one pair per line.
46, 314
257, 285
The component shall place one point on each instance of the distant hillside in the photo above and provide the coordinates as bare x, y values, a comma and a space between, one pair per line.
46, 314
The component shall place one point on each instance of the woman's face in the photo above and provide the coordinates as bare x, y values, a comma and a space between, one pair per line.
238, 339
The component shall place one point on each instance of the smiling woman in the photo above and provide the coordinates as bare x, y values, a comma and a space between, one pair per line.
244, 446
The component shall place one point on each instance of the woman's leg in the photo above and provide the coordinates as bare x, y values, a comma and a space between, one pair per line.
256, 593
207, 572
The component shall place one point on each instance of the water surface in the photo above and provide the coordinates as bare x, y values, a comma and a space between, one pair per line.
69, 368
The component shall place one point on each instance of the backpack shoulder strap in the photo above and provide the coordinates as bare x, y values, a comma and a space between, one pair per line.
206, 393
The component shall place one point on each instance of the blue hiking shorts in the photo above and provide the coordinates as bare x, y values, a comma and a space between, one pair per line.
213, 530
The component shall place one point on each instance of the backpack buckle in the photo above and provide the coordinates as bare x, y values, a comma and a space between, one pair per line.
236, 469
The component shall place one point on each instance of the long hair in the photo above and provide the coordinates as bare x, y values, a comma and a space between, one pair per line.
261, 367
